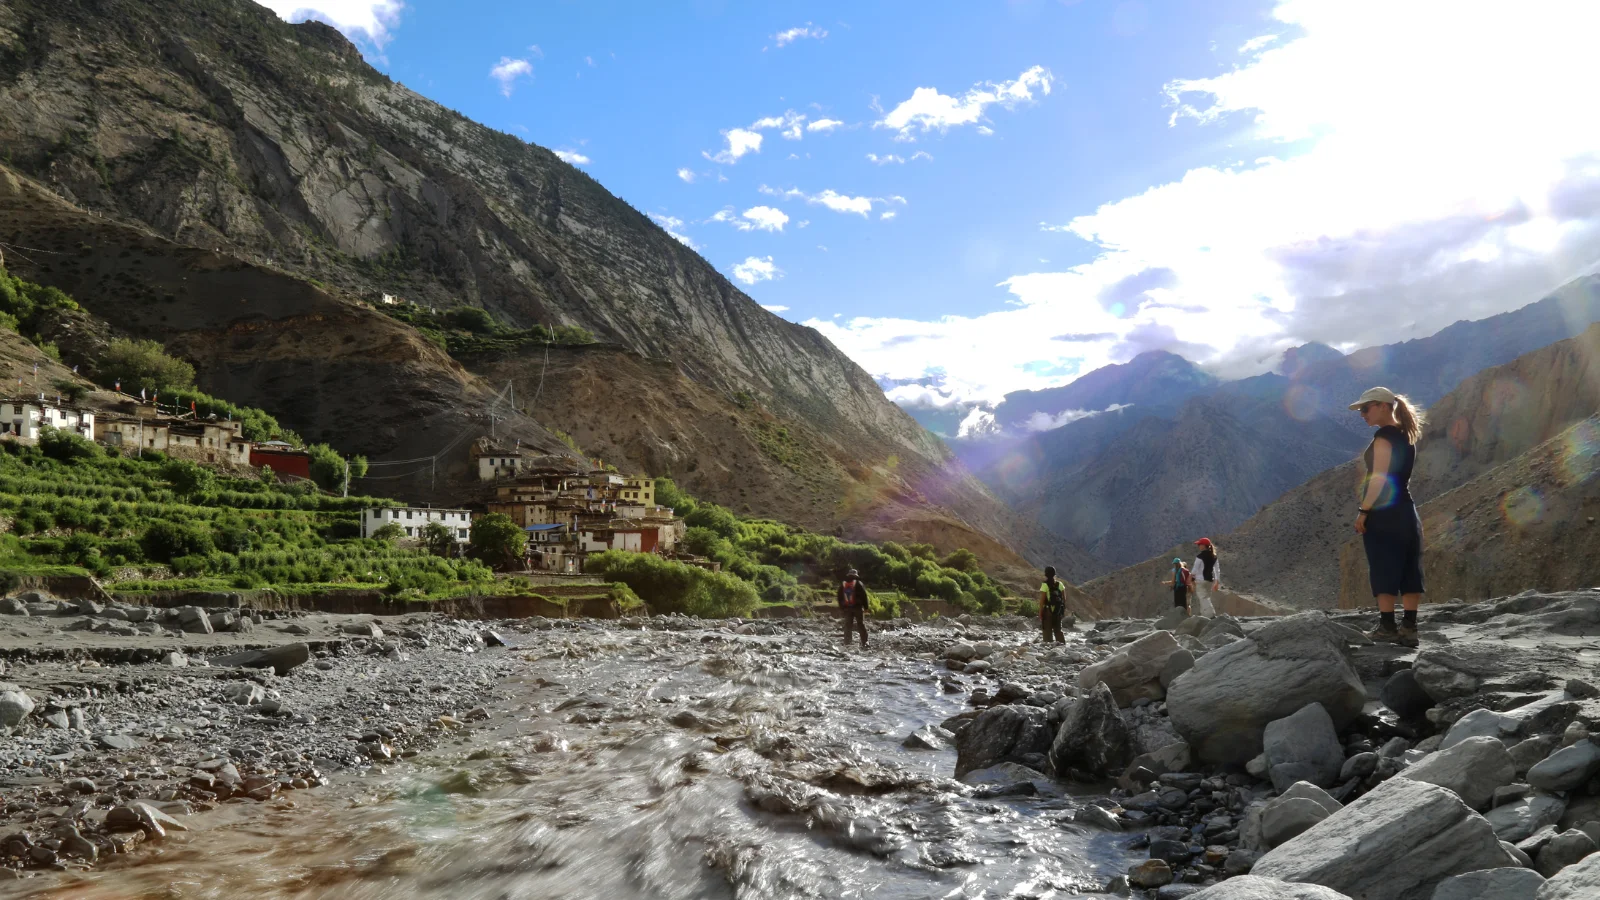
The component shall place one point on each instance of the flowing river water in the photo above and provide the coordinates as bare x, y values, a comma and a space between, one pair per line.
653, 764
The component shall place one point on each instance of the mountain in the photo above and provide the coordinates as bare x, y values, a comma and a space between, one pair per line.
1077, 479
245, 190
1495, 432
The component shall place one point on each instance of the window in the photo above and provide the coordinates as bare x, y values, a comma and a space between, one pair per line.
461, 533
408, 515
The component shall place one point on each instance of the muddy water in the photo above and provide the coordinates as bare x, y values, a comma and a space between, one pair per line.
650, 765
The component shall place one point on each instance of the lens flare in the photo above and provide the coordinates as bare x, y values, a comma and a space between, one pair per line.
1523, 507
1302, 402
1580, 453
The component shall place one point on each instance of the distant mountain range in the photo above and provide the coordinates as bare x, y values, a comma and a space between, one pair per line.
1180, 454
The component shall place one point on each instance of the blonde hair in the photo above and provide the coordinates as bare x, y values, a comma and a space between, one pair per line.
1410, 416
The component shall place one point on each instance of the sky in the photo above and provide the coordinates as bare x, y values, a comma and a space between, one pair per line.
976, 198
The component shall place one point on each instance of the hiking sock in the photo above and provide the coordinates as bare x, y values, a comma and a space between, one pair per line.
1410, 618
1386, 621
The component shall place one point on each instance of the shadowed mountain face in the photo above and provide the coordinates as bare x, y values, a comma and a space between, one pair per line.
1506, 478
1191, 456
274, 149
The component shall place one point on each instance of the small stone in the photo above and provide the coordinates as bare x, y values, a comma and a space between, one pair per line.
80, 786
1097, 817
1582, 690
491, 639
116, 741
175, 660
14, 707
1149, 874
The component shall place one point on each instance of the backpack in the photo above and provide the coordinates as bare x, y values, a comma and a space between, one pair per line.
848, 592
1186, 577
1057, 598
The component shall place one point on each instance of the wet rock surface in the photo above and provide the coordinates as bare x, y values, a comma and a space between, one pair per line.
588, 752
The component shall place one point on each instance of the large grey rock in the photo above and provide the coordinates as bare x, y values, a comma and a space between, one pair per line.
1252, 887
1567, 768
14, 707
1177, 664
928, 737
1133, 673
1223, 704
1003, 734
1518, 821
1283, 820
1305, 740
1473, 769
1480, 723
1575, 882
1491, 884
194, 620
1396, 843
11, 606
1093, 738
1563, 850
280, 659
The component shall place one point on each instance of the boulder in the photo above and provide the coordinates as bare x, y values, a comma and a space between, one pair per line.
1012, 733
1093, 738
11, 606
1133, 672
1285, 819
928, 737
1173, 757
1530, 752
1580, 881
1491, 884
1405, 696
1305, 741
1517, 821
14, 707
1006, 775
1474, 769
1222, 706
1480, 723
280, 659
1396, 843
1150, 873
1563, 850
244, 693
1251, 887
1567, 768
194, 620
362, 629
174, 659
1177, 664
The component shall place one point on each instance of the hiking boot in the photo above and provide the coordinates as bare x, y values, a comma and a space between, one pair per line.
1407, 635
1387, 634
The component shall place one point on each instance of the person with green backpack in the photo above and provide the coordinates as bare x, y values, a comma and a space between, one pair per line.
1052, 606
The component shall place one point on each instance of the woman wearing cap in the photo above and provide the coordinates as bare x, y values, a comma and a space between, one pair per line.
1207, 574
1387, 519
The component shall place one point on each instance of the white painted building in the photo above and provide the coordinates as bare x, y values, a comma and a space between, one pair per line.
22, 418
414, 519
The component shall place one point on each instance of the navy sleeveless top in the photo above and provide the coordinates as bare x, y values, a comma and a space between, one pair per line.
1402, 457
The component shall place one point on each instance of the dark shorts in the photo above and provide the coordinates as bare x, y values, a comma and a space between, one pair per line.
1394, 550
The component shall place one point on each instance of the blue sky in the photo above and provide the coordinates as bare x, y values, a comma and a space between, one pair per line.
976, 197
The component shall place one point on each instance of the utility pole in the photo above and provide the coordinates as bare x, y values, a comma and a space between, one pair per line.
346, 491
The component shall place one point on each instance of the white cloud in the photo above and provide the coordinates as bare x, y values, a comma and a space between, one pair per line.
921, 154
687, 175
674, 226
832, 199
824, 125
774, 308
756, 268
740, 142
790, 35
756, 218
368, 19
1414, 164
589, 60
572, 157
888, 215
508, 71
885, 160
927, 109
1256, 43
789, 124
790, 194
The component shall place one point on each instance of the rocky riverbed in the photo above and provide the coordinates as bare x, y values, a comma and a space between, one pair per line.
678, 758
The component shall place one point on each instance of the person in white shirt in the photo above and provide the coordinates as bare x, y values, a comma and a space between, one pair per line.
1207, 576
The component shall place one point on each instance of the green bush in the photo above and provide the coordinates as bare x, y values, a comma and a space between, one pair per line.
497, 540
670, 586
884, 604
164, 541
143, 365
66, 446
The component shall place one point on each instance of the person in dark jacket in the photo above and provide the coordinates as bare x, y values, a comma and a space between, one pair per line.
1386, 519
1052, 606
853, 604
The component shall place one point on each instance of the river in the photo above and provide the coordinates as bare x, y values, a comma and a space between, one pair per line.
654, 765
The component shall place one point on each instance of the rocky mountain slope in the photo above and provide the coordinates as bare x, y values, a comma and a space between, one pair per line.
1508, 428
286, 159
1074, 478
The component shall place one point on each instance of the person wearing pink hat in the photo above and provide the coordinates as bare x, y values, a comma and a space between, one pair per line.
1386, 519
1207, 577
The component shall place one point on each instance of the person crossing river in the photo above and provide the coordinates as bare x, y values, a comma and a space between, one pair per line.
1052, 606
853, 604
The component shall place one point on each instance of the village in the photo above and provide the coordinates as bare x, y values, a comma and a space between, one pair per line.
567, 509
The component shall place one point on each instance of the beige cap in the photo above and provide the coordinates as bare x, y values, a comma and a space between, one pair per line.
1375, 395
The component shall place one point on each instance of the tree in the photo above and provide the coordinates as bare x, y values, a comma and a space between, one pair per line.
498, 540
391, 532
327, 467
438, 538
472, 318
163, 541
65, 446
186, 478
144, 365
962, 560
